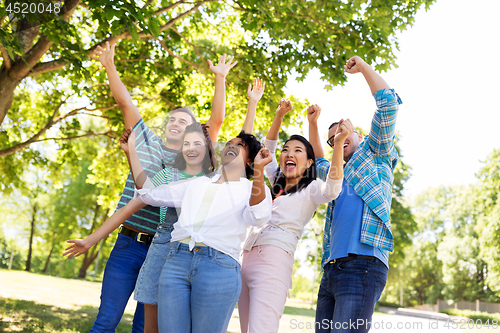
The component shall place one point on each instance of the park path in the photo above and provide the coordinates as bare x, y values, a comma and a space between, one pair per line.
72, 294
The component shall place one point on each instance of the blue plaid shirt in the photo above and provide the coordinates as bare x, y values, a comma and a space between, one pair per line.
370, 172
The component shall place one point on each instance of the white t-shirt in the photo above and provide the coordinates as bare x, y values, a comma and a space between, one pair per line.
291, 212
228, 216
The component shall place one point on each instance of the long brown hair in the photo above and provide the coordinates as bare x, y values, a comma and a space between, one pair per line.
209, 162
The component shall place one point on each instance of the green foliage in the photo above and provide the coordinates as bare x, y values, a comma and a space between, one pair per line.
163, 66
474, 315
28, 316
162, 60
8, 249
387, 305
487, 212
454, 255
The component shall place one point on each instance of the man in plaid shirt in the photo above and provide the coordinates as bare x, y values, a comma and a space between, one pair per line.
358, 235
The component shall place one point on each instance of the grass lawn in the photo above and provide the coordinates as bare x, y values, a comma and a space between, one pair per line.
39, 303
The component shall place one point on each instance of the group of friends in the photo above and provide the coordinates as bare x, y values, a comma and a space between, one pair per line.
184, 247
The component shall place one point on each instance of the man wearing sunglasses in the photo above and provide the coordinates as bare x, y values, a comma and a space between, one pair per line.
358, 236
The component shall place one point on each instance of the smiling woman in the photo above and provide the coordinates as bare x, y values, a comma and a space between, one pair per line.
268, 255
200, 281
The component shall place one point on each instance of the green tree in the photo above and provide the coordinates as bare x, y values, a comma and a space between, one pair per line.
162, 58
424, 279
487, 213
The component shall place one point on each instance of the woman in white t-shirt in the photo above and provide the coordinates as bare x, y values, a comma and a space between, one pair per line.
268, 255
201, 280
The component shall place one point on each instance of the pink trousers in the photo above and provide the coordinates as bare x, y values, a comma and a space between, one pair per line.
266, 277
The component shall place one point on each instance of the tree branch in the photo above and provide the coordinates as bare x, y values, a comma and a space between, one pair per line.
192, 45
21, 68
171, 6
89, 133
142, 34
6, 59
170, 23
51, 122
19, 146
199, 68
48, 66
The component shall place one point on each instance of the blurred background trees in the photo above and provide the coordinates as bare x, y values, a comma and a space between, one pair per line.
62, 170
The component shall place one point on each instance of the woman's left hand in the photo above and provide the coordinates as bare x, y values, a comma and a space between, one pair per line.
262, 158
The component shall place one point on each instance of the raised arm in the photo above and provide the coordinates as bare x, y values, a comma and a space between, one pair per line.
254, 96
219, 101
262, 158
344, 129
383, 127
259, 211
120, 93
127, 142
80, 246
284, 107
374, 80
313, 112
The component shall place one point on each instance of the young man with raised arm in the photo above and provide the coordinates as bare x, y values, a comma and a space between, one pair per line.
358, 235
129, 252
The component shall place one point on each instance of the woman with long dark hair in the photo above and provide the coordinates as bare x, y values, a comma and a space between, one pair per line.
268, 255
201, 280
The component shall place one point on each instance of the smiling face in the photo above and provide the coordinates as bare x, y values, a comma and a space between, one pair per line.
177, 125
235, 153
194, 149
293, 160
351, 143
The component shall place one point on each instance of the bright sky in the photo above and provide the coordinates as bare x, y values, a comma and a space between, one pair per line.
448, 79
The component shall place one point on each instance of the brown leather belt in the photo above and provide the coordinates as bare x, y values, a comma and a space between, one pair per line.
142, 237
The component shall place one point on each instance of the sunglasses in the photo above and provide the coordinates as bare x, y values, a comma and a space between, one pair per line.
331, 142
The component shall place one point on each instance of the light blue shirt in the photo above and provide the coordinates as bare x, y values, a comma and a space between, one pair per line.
346, 228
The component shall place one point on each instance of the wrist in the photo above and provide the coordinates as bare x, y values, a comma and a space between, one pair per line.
108, 65
258, 167
87, 243
313, 123
364, 67
219, 76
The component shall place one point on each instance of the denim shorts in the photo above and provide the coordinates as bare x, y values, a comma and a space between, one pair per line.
146, 288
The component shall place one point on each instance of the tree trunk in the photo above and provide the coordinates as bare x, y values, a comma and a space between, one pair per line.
21, 67
47, 262
87, 261
32, 234
91, 255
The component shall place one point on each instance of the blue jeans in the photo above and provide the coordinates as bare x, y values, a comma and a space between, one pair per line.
347, 295
198, 290
146, 288
118, 283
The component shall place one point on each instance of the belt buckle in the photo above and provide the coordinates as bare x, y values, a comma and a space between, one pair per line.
333, 261
139, 237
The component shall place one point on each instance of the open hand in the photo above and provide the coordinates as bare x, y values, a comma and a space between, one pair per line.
354, 65
313, 112
284, 107
78, 248
257, 91
344, 129
262, 158
127, 140
104, 55
222, 67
